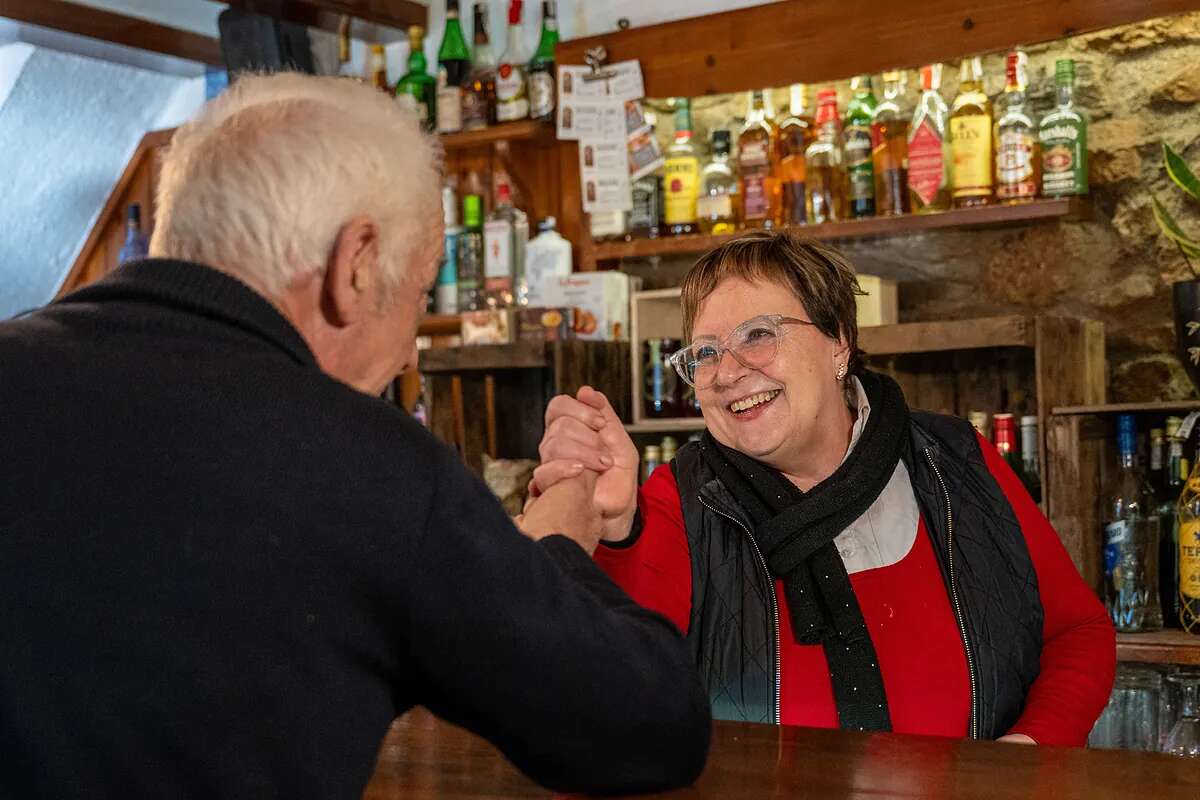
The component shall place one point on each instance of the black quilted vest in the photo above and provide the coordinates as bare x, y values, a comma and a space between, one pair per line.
734, 625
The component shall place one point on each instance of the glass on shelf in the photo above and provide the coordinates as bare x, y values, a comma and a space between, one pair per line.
1183, 739
1133, 717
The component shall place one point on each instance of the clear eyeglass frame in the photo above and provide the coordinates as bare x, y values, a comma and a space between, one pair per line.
753, 344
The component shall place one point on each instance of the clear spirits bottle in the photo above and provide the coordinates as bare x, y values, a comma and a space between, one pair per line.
1131, 533
929, 155
512, 99
504, 237
716, 209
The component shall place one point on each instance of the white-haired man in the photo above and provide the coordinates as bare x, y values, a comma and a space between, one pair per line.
226, 566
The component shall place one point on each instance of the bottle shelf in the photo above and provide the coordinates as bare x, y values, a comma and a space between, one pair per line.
965, 218
522, 130
440, 325
1153, 407
1161, 647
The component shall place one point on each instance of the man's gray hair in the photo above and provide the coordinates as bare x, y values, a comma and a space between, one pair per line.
260, 183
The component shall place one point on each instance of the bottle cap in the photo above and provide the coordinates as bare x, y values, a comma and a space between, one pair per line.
514, 12
416, 34
979, 419
503, 194
135, 212
827, 96
1172, 426
449, 206
892, 75
653, 453
547, 224
721, 141
472, 211
1029, 420
1064, 70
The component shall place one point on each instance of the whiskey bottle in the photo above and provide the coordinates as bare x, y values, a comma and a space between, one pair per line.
1063, 135
796, 132
681, 175
889, 142
1018, 158
857, 144
479, 94
971, 138
929, 157
824, 172
756, 166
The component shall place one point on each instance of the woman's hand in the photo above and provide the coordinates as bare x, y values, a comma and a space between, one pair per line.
584, 433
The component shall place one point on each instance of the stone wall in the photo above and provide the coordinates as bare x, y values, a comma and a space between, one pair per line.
1139, 85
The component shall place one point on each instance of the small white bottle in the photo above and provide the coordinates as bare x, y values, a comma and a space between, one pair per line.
547, 256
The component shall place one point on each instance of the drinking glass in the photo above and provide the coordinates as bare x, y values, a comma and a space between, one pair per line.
1184, 738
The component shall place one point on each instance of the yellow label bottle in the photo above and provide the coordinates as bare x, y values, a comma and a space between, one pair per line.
1189, 554
971, 138
681, 176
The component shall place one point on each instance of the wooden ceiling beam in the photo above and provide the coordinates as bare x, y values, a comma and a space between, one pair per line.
116, 28
809, 41
387, 20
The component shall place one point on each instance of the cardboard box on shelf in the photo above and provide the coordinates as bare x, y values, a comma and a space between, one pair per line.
545, 324
881, 303
601, 301
493, 326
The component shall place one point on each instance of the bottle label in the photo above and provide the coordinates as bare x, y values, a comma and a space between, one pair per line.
511, 102
449, 269
498, 250
714, 207
644, 214
474, 110
1189, 559
1064, 160
926, 162
754, 197
753, 155
541, 93
858, 162
1116, 534
449, 110
1014, 165
681, 180
971, 139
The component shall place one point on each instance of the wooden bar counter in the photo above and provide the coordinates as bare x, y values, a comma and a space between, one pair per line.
424, 757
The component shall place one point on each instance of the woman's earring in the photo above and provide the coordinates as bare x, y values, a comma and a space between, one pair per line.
841, 373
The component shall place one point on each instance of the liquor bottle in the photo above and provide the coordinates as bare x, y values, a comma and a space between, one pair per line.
716, 207
377, 68
454, 64
470, 255
541, 66
669, 447
445, 293
1018, 155
1174, 477
416, 89
504, 237
756, 166
136, 245
512, 102
547, 256
929, 156
1031, 473
1155, 474
889, 153
1004, 433
681, 175
1188, 512
856, 140
660, 385
1131, 534
1063, 135
796, 132
971, 138
645, 217
479, 94
979, 421
824, 171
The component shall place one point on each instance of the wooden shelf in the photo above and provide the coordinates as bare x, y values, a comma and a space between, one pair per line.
1162, 647
934, 337
987, 216
526, 129
440, 325
667, 425
519, 355
1159, 406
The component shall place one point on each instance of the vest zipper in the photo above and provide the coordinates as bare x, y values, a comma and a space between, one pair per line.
775, 714
962, 626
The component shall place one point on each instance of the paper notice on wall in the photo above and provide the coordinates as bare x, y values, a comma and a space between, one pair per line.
603, 112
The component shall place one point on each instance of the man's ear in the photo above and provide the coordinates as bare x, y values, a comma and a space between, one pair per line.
352, 274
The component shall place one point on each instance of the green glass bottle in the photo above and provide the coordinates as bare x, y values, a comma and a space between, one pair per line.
417, 88
856, 142
1063, 133
541, 66
453, 55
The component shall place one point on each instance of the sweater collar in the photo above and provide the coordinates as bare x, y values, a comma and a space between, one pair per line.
203, 291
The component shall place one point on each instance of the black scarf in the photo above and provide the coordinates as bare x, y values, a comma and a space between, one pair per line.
795, 532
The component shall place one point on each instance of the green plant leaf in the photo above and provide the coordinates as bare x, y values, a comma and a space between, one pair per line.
1179, 171
1168, 225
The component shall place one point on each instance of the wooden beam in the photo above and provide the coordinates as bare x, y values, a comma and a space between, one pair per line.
810, 41
117, 28
389, 18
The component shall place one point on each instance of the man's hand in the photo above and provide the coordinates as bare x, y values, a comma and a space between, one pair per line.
583, 433
565, 508
1016, 738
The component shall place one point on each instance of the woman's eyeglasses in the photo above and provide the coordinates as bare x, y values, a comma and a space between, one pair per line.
754, 344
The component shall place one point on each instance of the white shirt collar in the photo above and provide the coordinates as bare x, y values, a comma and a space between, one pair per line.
856, 398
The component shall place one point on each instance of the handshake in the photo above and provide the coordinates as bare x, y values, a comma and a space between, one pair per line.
586, 486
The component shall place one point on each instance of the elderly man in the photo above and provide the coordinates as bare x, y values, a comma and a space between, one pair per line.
226, 566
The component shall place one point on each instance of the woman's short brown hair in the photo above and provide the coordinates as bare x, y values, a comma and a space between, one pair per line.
818, 275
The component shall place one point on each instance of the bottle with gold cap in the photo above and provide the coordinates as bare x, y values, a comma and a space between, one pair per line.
971, 138
416, 90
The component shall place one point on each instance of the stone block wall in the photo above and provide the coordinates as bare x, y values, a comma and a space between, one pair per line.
1140, 86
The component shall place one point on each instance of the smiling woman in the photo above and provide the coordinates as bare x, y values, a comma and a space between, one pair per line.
834, 558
